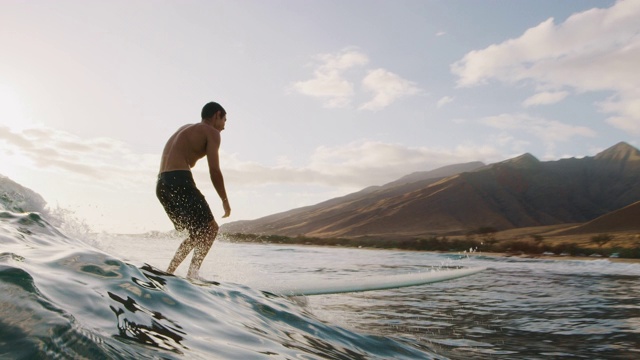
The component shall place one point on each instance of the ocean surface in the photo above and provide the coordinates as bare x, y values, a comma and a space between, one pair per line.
69, 294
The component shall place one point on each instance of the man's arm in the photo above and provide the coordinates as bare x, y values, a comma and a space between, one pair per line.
213, 159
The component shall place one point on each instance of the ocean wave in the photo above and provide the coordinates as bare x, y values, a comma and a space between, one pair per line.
68, 294
63, 298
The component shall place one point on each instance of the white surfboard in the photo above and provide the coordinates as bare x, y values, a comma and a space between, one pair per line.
359, 284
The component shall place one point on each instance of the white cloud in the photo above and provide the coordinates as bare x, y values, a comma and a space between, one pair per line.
595, 50
549, 131
629, 113
13, 110
365, 161
441, 33
331, 84
354, 165
108, 172
545, 98
386, 87
444, 100
97, 158
328, 82
507, 141
109, 163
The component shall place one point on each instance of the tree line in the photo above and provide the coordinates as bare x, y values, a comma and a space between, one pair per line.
482, 239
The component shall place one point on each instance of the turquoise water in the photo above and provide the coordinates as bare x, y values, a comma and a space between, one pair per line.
64, 299
105, 297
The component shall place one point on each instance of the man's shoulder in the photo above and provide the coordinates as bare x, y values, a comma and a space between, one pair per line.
210, 134
208, 129
200, 128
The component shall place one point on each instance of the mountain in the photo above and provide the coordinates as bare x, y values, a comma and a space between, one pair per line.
625, 219
620, 153
519, 192
304, 220
442, 172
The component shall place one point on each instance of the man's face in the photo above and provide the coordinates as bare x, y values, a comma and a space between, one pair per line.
219, 121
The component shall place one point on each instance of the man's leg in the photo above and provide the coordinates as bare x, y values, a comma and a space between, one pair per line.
202, 249
183, 250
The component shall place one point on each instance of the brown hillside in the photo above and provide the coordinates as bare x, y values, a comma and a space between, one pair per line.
519, 192
346, 209
625, 219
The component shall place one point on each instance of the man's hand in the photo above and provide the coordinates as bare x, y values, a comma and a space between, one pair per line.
227, 208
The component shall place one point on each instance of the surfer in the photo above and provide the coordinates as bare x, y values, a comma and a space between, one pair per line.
184, 203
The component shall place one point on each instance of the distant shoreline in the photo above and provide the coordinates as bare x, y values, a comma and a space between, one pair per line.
470, 254
555, 257
520, 248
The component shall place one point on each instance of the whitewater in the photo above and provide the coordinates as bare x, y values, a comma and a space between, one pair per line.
66, 293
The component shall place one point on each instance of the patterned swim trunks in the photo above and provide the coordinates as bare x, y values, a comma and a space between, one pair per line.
184, 203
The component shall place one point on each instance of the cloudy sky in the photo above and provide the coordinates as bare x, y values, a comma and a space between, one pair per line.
324, 97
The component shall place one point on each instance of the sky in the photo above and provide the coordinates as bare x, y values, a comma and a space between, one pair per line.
323, 97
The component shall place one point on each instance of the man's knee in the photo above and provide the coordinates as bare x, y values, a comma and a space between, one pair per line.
213, 229
205, 233
209, 233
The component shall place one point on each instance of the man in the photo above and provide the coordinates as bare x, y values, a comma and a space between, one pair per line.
177, 191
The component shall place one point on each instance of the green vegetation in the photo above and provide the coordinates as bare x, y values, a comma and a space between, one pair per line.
537, 238
486, 233
601, 239
533, 246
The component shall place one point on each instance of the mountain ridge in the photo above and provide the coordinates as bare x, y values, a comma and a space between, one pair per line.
624, 219
518, 192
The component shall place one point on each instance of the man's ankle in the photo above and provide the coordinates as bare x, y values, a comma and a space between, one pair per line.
193, 274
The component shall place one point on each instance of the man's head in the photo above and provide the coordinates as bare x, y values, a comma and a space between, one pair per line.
215, 115
210, 109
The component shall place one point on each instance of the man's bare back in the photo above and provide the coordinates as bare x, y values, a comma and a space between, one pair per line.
186, 146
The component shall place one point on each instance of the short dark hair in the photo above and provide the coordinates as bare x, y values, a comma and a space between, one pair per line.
211, 109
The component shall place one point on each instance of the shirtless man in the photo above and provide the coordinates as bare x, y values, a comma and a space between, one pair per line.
177, 191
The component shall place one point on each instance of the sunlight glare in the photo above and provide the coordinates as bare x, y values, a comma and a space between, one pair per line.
13, 112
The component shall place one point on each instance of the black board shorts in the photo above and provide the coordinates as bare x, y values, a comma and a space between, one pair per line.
183, 202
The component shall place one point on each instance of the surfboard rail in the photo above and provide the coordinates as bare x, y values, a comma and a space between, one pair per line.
360, 284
